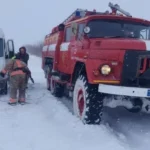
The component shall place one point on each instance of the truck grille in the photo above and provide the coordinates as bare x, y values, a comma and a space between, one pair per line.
144, 65
136, 68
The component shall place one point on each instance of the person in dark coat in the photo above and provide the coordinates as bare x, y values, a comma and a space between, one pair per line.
22, 55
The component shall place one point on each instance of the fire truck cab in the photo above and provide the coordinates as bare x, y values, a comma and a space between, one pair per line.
99, 59
6, 52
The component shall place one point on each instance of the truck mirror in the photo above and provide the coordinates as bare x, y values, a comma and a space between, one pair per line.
74, 31
86, 30
61, 27
74, 28
10, 46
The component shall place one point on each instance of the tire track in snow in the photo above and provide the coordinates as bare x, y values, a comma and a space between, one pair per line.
132, 129
56, 114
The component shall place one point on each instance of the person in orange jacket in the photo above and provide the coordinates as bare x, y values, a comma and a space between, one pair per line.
18, 71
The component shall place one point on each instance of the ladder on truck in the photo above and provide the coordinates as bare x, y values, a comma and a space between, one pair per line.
116, 7
82, 12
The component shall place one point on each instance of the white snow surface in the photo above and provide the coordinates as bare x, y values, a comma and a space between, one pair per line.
47, 123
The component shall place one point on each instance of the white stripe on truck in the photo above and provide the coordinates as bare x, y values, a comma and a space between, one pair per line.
52, 47
45, 48
64, 46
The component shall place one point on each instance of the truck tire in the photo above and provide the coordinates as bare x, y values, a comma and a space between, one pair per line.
87, 101
56, 89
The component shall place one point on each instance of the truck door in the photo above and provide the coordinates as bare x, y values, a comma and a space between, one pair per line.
79, 45
2, 53
64, 51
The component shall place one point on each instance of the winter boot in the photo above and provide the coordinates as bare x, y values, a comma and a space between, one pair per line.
12, 103
22, 103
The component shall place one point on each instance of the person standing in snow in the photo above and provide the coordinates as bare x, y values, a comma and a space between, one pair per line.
24, 56
18, 71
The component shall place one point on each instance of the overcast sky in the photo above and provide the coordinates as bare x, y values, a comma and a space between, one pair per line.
27, 21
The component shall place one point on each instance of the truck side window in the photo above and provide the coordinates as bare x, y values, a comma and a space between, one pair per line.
80, 31
68, 34
144, 34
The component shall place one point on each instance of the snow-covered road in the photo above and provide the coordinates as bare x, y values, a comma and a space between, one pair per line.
47, 124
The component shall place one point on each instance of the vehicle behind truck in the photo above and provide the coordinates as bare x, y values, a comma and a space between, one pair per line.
99, 59
6, 52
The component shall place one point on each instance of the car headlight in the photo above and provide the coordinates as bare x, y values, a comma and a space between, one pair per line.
105, 69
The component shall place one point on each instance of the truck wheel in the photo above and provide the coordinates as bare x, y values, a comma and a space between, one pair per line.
56, 88
87, 102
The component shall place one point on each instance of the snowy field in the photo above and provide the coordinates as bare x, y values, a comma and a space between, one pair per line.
46, 123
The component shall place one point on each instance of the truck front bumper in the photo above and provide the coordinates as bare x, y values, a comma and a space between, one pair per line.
124, 91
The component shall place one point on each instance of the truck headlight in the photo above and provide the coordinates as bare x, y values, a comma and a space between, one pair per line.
105, 69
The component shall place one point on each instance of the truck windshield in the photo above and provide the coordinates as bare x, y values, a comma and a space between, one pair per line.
1, 48
118, 28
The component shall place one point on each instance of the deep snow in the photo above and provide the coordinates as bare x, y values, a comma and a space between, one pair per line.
47, 123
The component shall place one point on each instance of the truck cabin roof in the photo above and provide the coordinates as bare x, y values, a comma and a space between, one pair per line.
113, 17
81, 15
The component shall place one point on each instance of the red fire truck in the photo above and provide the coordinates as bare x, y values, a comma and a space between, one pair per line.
99, 59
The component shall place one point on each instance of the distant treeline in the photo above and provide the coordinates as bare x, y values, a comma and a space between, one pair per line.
35, 49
